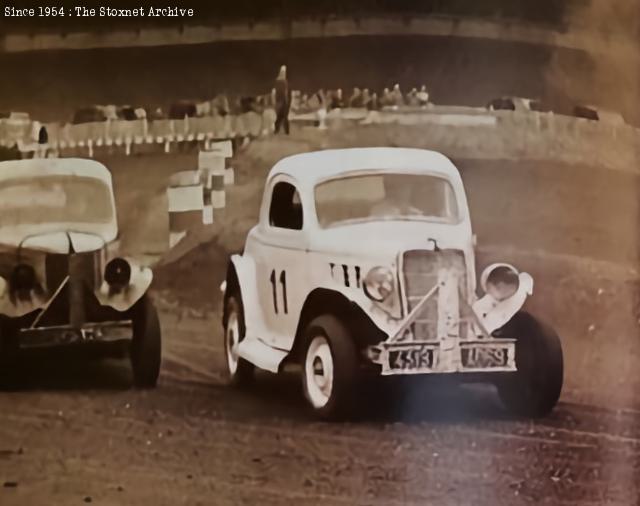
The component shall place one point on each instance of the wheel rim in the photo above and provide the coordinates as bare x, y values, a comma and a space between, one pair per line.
232, 340
318, 370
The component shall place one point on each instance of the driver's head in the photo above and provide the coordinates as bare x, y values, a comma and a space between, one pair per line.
397, 190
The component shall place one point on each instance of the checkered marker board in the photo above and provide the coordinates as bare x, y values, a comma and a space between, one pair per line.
187, 208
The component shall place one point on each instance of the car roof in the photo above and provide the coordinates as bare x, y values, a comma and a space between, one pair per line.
15, 169
310, 168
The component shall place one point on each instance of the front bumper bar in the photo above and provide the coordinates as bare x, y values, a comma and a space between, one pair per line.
105, 332
444, 356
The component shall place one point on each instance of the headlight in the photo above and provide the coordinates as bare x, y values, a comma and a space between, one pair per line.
501, 281
378, 283
117, 273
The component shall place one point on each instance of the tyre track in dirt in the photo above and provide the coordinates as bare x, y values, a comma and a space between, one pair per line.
244, 447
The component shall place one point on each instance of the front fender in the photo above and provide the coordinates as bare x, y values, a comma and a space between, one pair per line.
18, 308
377, 313
122, 300
494, 314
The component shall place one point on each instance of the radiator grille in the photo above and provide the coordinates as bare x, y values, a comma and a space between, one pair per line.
420, 270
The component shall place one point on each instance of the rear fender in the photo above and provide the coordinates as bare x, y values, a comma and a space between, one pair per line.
244, 270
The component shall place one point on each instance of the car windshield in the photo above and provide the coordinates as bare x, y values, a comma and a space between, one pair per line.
376, 197
54, 199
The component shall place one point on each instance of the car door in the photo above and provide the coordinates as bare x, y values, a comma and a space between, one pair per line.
281, 263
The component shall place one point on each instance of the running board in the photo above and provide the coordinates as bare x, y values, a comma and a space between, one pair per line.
261, 355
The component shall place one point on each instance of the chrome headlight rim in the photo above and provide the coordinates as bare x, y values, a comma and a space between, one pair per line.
379, 283
496, 277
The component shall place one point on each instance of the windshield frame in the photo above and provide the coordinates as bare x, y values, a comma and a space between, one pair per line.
459, 217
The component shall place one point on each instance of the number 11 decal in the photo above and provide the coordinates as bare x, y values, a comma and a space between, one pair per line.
274, 290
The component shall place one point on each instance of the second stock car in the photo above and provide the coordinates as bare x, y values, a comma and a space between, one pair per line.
362, 263
61, 282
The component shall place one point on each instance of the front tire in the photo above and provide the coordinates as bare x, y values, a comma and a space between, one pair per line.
329, 368
146, 345
534, 390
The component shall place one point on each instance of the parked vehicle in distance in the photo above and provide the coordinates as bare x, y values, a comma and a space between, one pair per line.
61, 279
514, 104
91, 114
594, 113
362, 264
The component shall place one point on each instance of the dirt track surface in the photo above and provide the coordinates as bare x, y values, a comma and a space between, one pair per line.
193, 441
74, 430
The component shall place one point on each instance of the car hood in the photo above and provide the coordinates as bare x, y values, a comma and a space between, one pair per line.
388, 238
54, 242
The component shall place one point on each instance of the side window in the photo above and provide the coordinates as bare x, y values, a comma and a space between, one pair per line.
286, 208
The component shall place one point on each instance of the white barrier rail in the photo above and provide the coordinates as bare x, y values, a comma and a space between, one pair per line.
130, 133
471, 131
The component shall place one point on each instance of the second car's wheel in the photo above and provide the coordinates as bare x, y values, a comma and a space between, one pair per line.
240, 372
8, 354
535, 388
146, 345
329, 368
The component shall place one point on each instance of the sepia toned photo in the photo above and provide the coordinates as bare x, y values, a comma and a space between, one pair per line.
322, 253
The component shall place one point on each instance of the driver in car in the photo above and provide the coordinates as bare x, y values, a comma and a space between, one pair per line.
397, 200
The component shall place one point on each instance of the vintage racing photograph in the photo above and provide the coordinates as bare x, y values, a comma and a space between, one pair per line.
276, 252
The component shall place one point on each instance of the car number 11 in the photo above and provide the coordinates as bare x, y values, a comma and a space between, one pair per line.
274, 290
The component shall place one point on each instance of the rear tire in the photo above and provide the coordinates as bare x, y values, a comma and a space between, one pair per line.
329, 368
240, 373
9, 348
534, 390
146, 345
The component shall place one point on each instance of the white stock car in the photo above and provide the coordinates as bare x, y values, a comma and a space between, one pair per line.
61, 280
363, 263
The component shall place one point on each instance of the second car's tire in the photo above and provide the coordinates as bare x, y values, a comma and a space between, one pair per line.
9, 348
534, 390
329, 368
240, 373
146, 344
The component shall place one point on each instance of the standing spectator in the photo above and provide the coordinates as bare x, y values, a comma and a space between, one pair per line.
386, 100
220, 105
366, 97
283, 100
322, 108
355, 100
336, 101
423, 96
412, 98
373, 104
396, 95
43, 141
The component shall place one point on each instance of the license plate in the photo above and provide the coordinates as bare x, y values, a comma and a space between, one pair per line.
412, 358
484, 357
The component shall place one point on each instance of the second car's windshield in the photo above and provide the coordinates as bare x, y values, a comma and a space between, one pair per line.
385, 197
54, 199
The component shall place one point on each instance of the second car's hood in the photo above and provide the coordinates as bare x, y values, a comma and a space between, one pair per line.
56, 242
388, 238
